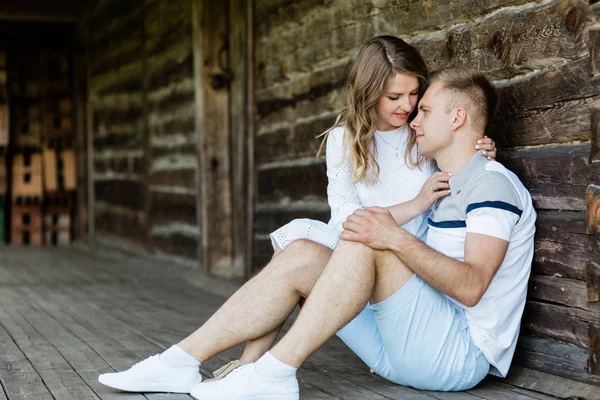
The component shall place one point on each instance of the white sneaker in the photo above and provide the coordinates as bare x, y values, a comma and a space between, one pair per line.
245, 383
153, 375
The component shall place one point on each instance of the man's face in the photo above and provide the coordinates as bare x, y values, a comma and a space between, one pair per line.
432, 124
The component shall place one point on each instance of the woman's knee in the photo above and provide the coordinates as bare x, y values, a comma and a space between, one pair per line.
302, 255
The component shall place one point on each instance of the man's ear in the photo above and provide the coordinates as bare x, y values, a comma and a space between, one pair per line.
459, 118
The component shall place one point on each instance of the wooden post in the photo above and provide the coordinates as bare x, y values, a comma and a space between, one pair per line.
240, 122
79, 94
595, 70
251, 118
592, 282
211, 59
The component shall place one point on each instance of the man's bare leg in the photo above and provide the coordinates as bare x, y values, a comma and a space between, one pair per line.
355, 274
263, 303
256, 348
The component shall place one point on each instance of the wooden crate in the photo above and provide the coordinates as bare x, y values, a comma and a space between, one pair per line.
26, 224
57, 225
4, 124
50, 170
2, 219
69, 177
27, 175
57, 127
27, 126
3, 175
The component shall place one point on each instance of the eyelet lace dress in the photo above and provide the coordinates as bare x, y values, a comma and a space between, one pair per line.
397, 183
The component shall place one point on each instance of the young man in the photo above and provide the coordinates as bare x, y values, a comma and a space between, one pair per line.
439, 315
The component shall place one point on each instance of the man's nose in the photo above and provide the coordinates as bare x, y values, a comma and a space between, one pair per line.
414, 123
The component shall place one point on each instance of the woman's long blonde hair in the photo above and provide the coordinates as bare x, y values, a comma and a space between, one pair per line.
378, 62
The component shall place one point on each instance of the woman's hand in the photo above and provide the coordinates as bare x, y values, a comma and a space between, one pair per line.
436, 187
487, 147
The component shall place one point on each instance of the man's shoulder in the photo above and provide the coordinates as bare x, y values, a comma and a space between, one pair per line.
495, 183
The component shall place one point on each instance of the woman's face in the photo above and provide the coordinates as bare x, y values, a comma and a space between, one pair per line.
397, 102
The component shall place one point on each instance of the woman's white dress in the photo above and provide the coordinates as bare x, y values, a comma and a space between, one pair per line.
397, 183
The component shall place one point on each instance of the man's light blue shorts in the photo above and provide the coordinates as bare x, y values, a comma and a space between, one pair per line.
418, 338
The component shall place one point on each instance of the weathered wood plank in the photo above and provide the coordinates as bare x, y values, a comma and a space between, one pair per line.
176, 177
593, 209
269, 217
299, 140
60, 377
562, 248
173, 207
513, 40
177, 244
125, 193
17, 375
549, 107
567, 324
493, 390
120, 222
556, 176
292, 181
554, 357
553, 385
567, 292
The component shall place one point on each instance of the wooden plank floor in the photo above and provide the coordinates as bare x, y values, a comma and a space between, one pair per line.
69, 314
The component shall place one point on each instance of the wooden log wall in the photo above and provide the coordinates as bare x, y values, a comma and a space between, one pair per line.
544, 58
141, 90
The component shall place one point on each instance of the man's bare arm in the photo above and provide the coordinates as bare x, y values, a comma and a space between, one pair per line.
464, 281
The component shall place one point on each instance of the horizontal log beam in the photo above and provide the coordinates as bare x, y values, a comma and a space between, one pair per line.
554, 357
552, 107
562, 248
292, 182
568, 324
556, 176
124, 193
510, 42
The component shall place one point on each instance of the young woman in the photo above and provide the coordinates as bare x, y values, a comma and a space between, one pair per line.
371, 156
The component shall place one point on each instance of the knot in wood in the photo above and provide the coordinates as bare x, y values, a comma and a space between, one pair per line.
497, 44
572, 20
450, 45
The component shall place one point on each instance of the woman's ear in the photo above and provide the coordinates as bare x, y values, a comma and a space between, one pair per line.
459, 118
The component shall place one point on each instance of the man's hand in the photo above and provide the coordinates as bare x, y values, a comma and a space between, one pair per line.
373, 226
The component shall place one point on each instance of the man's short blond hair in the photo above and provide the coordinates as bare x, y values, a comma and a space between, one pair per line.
473, 90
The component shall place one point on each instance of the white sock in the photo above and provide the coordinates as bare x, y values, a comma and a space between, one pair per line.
176, 357
271, 367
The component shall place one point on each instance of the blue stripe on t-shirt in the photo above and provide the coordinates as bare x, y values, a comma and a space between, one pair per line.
495, 204
447, 224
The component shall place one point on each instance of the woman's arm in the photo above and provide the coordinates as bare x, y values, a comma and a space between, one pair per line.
434, 188
342, 195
